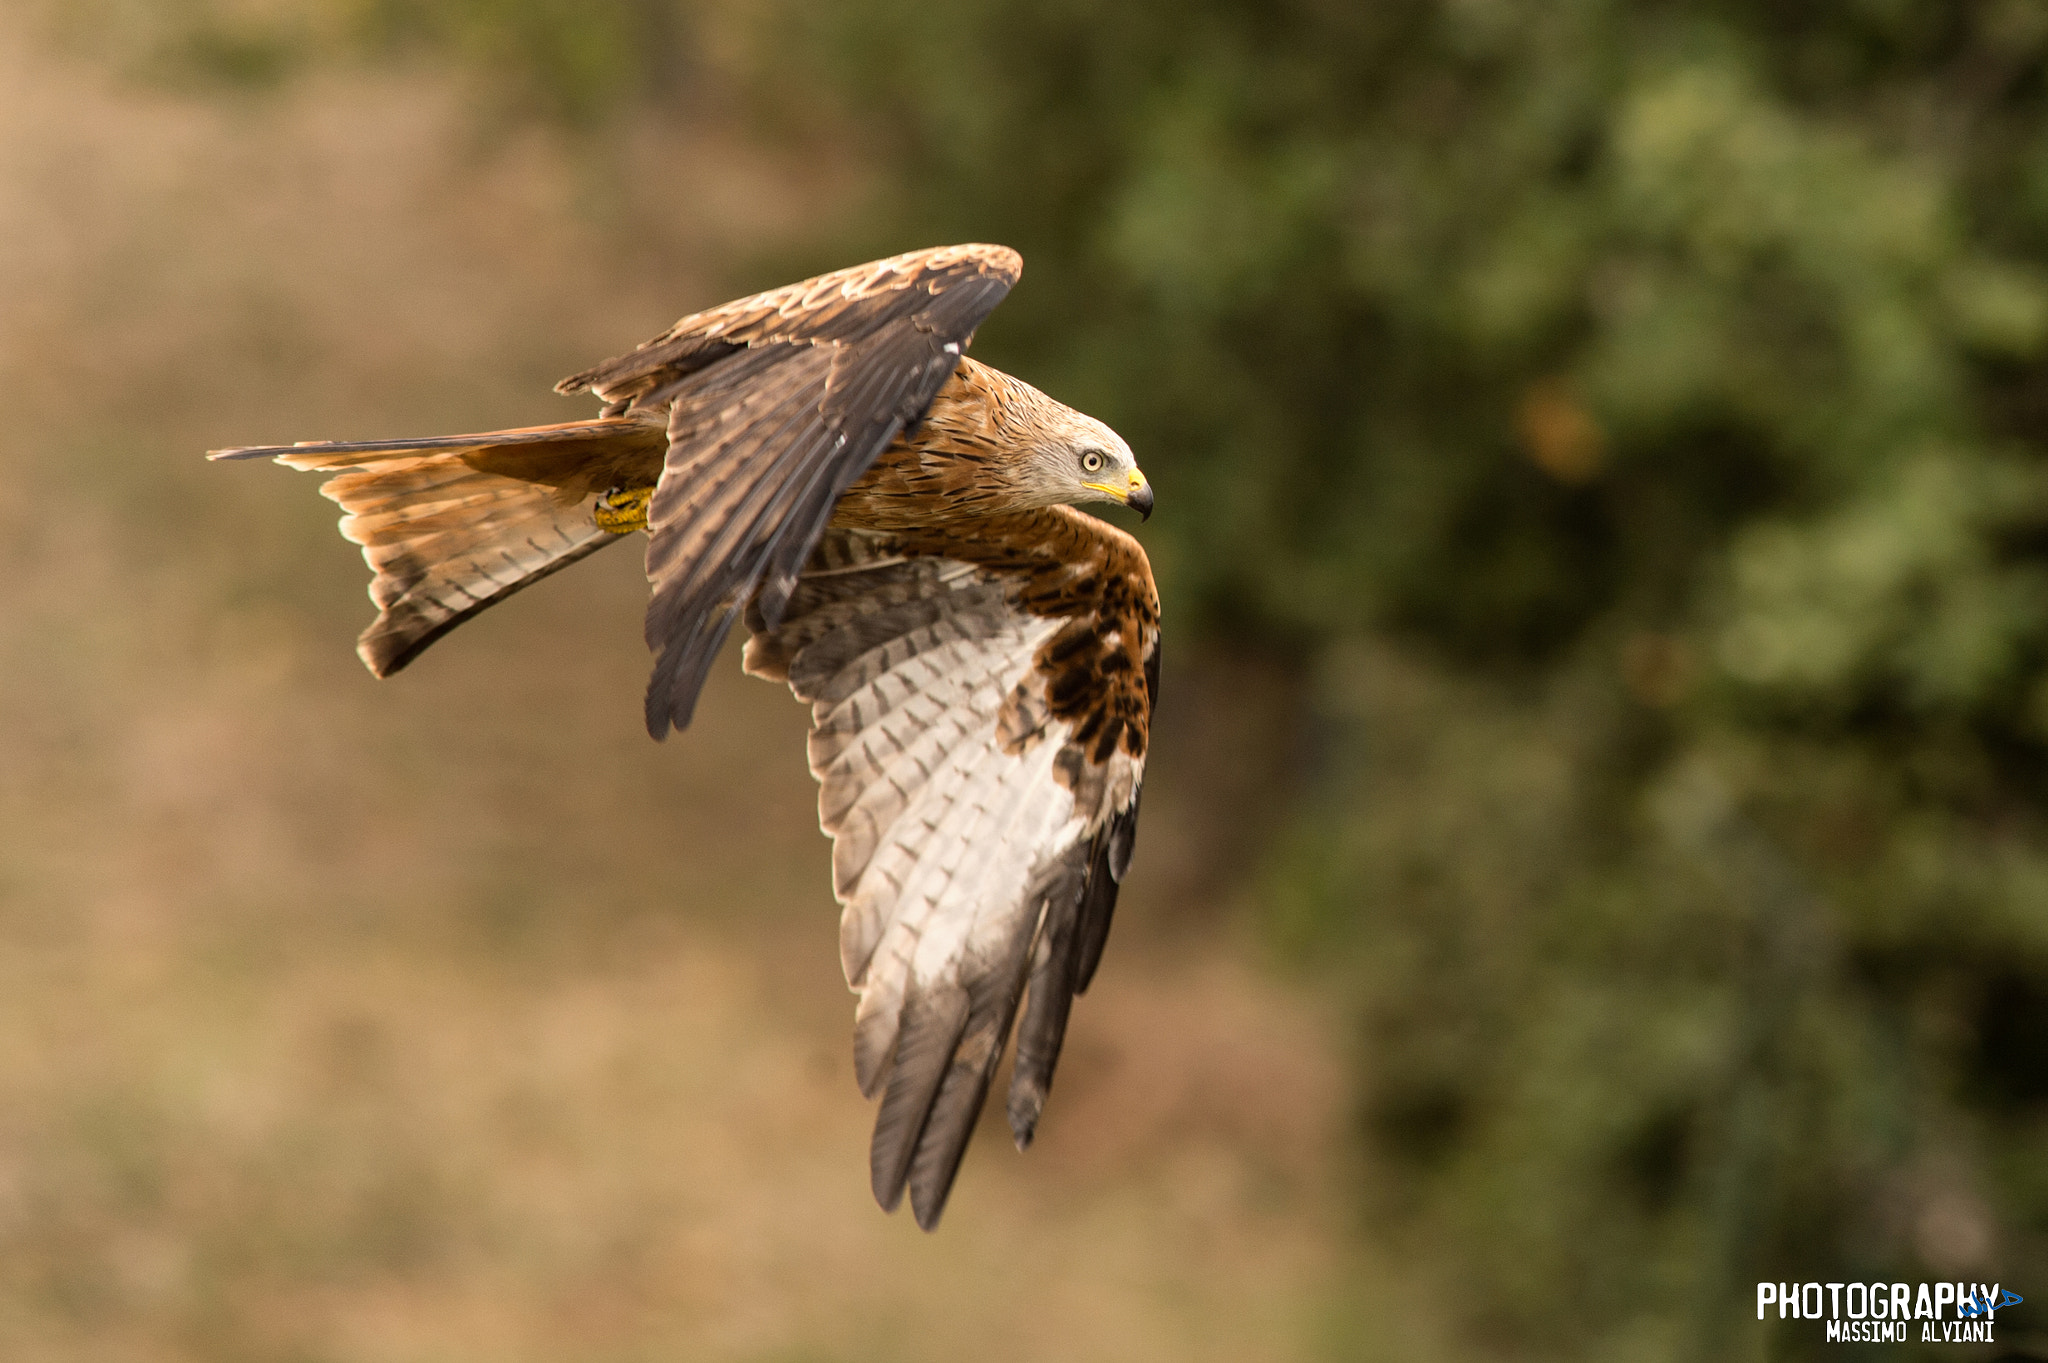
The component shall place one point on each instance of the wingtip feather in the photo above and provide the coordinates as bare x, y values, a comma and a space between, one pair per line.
931, 1030
1026, 1105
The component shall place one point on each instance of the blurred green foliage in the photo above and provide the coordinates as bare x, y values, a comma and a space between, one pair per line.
1626, 417
1627, 422
575, 63
576, 60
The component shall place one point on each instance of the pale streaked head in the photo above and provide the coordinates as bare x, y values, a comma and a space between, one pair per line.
1025, 450
1079, 459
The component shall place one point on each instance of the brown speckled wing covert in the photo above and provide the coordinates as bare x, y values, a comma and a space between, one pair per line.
777, 403
981, 695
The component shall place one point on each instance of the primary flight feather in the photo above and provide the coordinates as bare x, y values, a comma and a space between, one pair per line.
892, 523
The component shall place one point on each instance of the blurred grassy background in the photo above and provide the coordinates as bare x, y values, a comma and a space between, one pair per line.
452, 1018
1595, 857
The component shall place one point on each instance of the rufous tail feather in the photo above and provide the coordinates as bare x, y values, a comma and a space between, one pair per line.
453, 524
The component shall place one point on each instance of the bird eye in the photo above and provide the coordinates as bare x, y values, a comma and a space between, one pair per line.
1092, 462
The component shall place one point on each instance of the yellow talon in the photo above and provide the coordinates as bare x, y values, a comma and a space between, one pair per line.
622, 510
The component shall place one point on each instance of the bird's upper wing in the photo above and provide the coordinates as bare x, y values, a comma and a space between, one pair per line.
776, 404
981, 697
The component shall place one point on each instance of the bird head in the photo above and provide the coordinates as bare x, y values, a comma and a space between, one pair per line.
1023, 449
1085, 461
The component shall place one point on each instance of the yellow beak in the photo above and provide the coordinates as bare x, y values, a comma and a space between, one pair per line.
1136, 494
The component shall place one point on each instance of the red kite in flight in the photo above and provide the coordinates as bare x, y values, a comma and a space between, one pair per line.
893, 523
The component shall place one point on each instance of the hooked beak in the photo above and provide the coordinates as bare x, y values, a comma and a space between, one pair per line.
1139, 498
1136, 494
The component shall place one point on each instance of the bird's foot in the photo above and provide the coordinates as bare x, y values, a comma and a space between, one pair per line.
622, 510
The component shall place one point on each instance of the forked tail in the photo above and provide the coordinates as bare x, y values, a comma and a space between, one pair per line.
453, 524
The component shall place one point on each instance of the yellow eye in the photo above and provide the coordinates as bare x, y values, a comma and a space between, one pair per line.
1091, 462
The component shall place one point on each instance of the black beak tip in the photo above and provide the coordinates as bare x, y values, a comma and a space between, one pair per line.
1141, 502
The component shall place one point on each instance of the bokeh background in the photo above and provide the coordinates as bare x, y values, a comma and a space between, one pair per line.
1595, 852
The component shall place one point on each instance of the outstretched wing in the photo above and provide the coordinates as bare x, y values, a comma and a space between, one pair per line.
776, 404
981, 697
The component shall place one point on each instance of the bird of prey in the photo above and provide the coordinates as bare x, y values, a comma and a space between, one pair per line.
893, 523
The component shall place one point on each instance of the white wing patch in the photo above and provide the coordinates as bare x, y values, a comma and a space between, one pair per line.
944, 828
955, 834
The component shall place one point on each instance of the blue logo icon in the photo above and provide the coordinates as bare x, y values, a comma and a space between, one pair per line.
1971, 1308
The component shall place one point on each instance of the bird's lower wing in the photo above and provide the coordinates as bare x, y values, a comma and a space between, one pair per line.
979, 715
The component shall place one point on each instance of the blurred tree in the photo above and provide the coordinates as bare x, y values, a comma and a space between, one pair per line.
1627, 418
575, 63
1628, 412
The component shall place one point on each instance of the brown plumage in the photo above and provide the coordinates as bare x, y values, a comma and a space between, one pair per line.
894, 524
